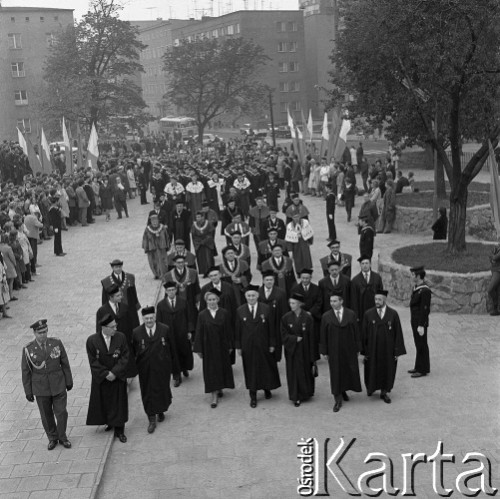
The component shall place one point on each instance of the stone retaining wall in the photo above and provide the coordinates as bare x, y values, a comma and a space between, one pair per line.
451, 292
478, 223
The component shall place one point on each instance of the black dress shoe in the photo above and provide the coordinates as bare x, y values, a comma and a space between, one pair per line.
66, 444
122, 438
161, 417
52, 445
345, 396
185, 374
108, 428
494, 313
369, 393
151, 427
253, 403
297, 403
412, 371
213, 405
220, 393
385, 398
177, 382
418, 375
337, 406
267, 394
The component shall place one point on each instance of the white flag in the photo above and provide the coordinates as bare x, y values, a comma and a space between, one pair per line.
22, 141
66, 140
93, 148
45, 151
324, 134
310, 125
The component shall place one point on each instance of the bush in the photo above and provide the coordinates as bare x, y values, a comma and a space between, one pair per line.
424, 199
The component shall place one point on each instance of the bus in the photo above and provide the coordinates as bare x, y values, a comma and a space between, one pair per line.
175, 124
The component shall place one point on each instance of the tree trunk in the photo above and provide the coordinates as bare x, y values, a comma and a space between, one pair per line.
201, 129
440, 184
456, 229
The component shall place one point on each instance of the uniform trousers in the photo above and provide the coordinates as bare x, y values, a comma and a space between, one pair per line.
53, 408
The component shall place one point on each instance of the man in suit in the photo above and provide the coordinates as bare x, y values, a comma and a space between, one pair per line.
273, 222
363, 287
155, 353
108, 353
126, 282
265, 249
336, 282
255, 342
420, 307
312, 302
344, 259
282, 268
382, 345
115, 308
46, 375
83, 203
172, 311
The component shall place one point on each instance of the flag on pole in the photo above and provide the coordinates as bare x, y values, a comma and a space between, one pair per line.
494, 189
22, 141
93, 149
79, 154
342, 140
325, 136
310, 126
291, 124
334, 132
68, 148
29, 150
45, 152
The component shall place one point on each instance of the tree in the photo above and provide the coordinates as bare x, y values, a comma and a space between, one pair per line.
88, 73
406, 61
207, 78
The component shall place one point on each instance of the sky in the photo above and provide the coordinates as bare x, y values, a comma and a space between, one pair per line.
166, 9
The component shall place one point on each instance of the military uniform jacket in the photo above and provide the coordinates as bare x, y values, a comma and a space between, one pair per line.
45, 373
420, 305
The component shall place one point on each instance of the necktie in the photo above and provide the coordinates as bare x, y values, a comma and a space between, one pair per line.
339, 317
108, 341
268, 292
253, 311
335, 282
172, 303
366, 276
306, 288
380, 312
150, 332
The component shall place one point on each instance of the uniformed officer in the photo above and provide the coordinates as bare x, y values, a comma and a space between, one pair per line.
420, 306
47, 376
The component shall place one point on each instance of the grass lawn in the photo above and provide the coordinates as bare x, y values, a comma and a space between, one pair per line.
435, 257
424, 199
428, 185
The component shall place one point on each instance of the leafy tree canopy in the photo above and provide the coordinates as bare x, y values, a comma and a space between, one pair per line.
207, 78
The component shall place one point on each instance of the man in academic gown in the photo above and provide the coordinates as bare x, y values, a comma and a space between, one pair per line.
241, 250
108, 354
188, 287
363, 288
366, 237
126, 283
180, 249
275, 298
265, 249
235, 272
334, 283
172, 311
255, 342
282, 268
340, 344
120, 314
273, 222
180, 223
154, 347
258, 214
382, 344
344, 259
312, 302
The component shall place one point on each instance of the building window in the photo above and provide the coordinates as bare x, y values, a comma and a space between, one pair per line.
51, 39
293, 67
295, 86
27, 19
295, 106
292, 26
283, 86
222, 31
15, 41
17, 69
42, 19
280, 27
21, 97
230, 30
237, 29
282, 46
24, 124
283, 67
283, 107
292, 46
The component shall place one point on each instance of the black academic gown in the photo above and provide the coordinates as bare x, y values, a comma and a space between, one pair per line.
177, 321
278, 306
299, 355
327, 289
254, 337
363, 293
382, 341
284, 274
124, 325
108, 402
341, 342
129, 293
156, 360
214, 340
313, 303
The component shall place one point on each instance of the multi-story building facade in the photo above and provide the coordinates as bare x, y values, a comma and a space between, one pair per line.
26, 36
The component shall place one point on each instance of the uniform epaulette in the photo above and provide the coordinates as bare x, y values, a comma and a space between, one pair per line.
28, 344
53, 338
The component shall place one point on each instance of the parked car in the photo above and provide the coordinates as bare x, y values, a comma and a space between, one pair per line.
207, 138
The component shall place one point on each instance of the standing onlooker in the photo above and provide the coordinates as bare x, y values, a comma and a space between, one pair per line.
388, 215
363, 170
440, 226
9, 261
33, 226
331, 201
55, 217
366, 237
72, 202
4, 289
420, 306
494, 284
106, 195
348, 196
131, 181
83, 203
120, 198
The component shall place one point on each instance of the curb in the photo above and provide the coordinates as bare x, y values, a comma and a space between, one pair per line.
109, 444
